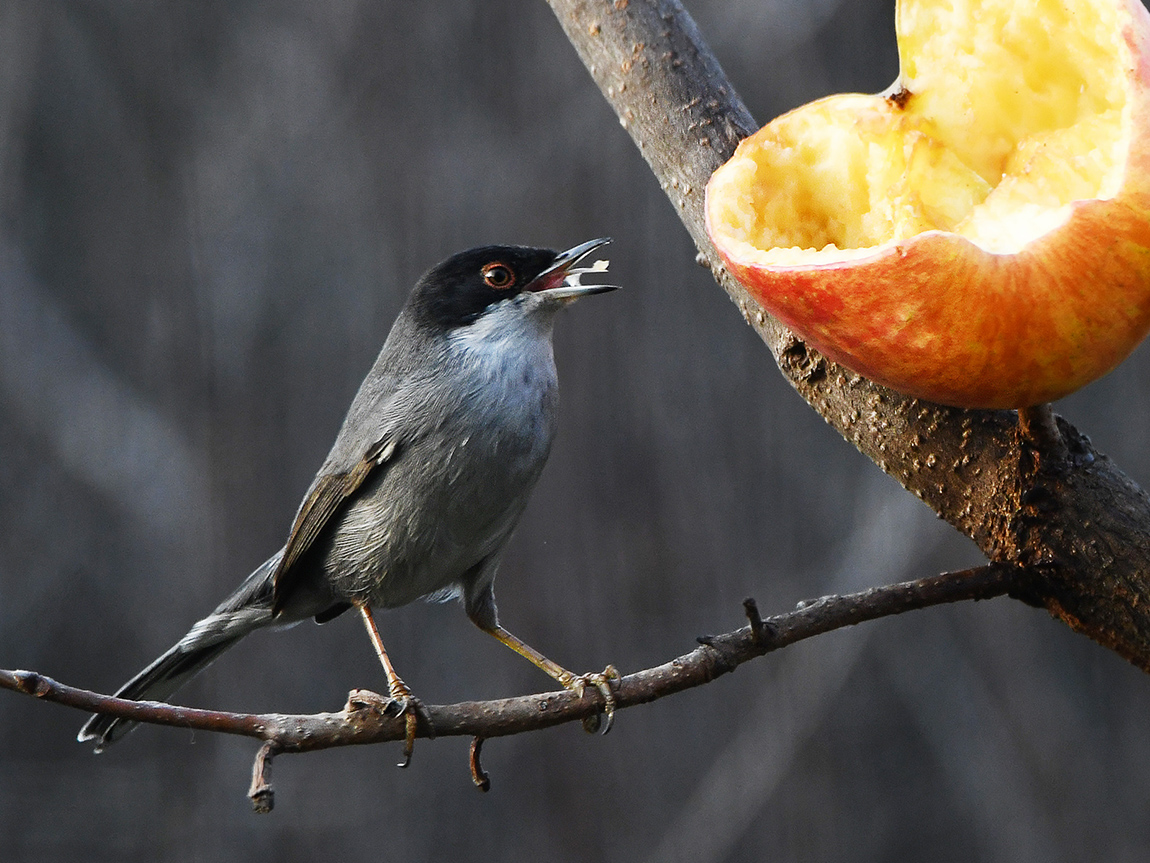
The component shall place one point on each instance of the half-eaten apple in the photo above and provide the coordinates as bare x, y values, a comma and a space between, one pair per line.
978, 235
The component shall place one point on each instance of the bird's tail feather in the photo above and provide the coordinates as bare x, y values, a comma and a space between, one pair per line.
247, 609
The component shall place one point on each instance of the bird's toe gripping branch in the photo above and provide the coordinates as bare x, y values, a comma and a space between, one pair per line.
399, 702
605, 682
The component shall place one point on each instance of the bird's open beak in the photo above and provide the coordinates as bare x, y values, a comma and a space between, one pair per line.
560, 281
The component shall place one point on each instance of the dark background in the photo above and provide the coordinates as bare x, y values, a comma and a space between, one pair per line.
210, 212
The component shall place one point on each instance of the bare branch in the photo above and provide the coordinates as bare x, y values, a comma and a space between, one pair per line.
1078, 524
358, 724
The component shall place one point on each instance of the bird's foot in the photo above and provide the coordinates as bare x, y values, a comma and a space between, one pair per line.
398, 702
605, 682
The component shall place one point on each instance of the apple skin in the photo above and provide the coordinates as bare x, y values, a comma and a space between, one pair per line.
936, 317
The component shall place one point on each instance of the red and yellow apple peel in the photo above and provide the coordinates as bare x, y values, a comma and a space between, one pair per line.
979, 235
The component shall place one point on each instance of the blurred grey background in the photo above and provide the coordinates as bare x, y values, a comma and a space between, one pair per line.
210, 213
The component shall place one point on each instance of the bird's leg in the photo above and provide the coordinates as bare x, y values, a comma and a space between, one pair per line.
407, 704
567, 679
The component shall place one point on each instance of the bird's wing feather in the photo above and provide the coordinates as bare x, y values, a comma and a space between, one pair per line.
376, 429
329, 491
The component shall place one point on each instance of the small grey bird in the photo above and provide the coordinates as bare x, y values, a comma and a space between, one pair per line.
427, 478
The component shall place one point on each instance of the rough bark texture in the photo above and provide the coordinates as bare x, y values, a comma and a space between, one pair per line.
1061, 508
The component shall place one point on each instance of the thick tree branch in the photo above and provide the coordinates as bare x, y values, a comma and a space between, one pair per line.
717, 655
1045, 499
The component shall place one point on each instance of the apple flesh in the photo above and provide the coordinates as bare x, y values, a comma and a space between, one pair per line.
979, 235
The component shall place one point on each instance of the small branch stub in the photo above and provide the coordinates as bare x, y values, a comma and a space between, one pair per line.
261, 792
1038, 428
760, 629
478, 774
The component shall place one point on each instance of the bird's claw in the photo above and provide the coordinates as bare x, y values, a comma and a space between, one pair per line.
603, 682
398, 702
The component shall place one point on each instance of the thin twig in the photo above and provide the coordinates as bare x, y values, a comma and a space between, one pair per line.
721, 653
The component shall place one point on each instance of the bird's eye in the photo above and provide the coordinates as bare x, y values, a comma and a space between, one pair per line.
498, 276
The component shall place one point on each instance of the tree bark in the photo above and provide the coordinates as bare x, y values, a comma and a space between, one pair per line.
1035, 494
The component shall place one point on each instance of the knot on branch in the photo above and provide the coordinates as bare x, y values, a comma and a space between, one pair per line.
31, 683
800, 363
722, 657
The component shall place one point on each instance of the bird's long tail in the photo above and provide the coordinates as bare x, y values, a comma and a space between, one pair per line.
247, 609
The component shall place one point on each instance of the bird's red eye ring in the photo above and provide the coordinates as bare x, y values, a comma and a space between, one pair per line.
498, 276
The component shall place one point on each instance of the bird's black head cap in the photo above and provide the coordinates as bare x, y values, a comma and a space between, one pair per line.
457, 291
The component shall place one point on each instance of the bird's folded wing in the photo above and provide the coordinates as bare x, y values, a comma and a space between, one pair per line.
326, 495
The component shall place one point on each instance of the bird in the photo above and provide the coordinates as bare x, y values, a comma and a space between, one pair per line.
428, 476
